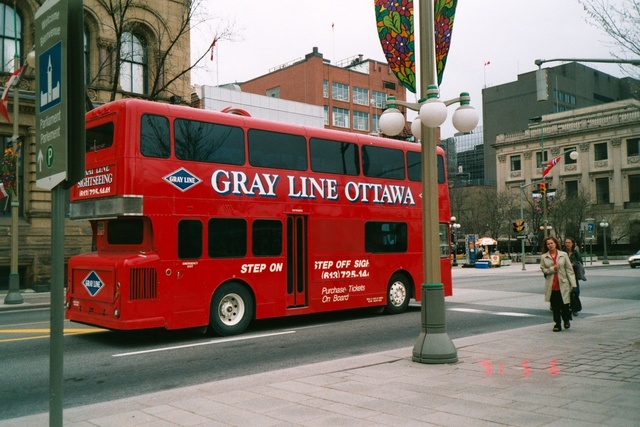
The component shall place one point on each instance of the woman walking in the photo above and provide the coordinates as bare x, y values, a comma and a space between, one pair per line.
559, 281
576, 262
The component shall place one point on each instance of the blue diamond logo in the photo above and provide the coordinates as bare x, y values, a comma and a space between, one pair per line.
182, 179
93, 283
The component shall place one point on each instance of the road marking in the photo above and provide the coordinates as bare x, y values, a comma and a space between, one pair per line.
219, 341
496, 313
69, 331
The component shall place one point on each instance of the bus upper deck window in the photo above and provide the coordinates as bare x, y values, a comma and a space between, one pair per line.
155, 139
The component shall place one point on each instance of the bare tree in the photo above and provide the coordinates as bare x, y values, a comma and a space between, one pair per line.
171, 36
620, 20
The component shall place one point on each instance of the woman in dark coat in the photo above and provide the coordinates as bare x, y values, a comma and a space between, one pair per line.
572, 250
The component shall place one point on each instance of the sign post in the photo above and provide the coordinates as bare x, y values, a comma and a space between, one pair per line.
60, 141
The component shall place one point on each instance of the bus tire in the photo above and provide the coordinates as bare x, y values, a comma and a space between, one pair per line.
398, 295
231, 309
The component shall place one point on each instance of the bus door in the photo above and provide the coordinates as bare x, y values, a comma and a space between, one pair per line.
296, 261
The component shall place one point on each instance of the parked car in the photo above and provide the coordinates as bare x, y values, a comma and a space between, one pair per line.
634, 260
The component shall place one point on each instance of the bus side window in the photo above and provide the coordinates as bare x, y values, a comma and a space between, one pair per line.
189, 239
385, 237
266, 237
227, 238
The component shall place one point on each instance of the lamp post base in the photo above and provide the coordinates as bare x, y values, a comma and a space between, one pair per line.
14, 296
434, 345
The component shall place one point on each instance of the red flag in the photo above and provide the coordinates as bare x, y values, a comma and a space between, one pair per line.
4, 101
550, 164
487, 63
213, 44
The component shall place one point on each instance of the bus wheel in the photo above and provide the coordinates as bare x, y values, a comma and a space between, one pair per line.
231, 310
397, 294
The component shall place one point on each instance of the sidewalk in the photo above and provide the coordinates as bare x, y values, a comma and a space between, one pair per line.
588, 375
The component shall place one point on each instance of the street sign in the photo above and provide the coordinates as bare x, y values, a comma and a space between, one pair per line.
59, 93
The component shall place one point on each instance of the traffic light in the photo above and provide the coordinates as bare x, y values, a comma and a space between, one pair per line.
518, 226
543, 189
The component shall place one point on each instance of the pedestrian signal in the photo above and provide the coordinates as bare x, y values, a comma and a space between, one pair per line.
543, 188
518, 226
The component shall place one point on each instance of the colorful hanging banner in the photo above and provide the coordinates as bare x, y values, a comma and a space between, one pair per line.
396, 32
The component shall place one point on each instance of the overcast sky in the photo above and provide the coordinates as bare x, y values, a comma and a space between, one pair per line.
510, 34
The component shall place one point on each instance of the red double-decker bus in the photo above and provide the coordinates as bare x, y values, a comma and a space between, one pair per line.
204, 218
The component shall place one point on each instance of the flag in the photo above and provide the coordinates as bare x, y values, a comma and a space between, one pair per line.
332, 25
550, 164
487, 63
213, 44
3, 193
4, 101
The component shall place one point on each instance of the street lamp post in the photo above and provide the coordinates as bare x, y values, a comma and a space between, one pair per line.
433, 344
454, 228
604, 224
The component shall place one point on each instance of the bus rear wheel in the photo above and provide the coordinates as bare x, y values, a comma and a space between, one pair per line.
397, 294
231, 310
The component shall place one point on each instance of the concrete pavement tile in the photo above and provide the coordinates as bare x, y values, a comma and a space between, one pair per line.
621, 422
395, 421
342, 397
297, 415
519, 418
567, 412
427, 400
179, 417
124, 419
444, 419
483, 398
282, 394
201, 405
346, 409
335, 420
297, 386
565, 422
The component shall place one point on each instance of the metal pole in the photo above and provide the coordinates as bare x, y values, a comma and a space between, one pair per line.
56, 348
13, 294
433, 344
604, 238
544, 196
522, 218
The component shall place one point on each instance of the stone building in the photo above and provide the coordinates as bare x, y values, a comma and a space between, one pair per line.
606, 172
147, 27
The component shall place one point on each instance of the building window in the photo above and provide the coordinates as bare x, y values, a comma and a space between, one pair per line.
325, 88
379, 99
361, 120
326, 115
571, 188
515, 163
274, 92
567, 156
360, 96
133, 64
633, 147
600, 151
389, 85
602, 191
340, 92
11, 34
87, 57
634, 188
375, 122
340, 117
540, 162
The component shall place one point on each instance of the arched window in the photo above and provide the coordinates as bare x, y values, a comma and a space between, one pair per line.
133, 63
10, 35
87, 57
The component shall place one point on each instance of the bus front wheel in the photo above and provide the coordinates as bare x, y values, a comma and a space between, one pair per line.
397, 294
231, 310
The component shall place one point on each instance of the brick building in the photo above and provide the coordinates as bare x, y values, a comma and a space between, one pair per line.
353, 92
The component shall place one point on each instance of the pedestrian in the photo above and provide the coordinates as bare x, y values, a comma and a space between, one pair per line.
559, 281
578, 268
